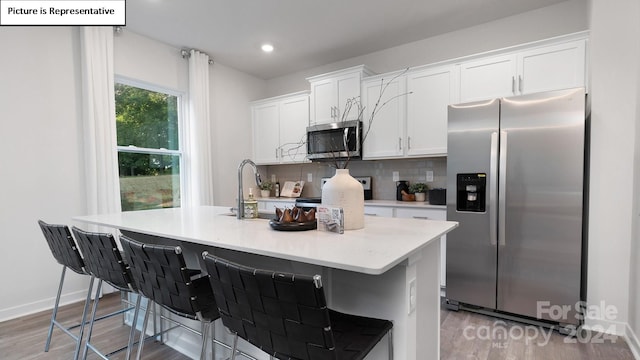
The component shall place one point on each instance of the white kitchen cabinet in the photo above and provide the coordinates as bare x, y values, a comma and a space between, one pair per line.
431, 90
413, 120
294, 119
384, 136
430, 214
279, 129
331, 92
378, 211
270, 205
543, 68
266, 132
488, 78
552, 67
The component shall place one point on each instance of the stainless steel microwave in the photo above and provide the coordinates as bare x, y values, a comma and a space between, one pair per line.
335, 140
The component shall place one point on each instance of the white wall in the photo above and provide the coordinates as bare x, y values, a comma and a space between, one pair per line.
231, 92
614, 96
143, 59
41, 167
634, 286
563, 18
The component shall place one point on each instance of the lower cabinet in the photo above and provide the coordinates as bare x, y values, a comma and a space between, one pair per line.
378, 211
426, 214
267, 205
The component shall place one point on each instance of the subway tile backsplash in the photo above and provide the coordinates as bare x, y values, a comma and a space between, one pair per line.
381, 172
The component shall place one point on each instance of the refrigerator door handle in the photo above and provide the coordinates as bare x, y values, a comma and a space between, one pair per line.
493, 190
502, 188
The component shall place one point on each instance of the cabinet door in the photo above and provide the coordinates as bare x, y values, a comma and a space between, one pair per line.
430, 92
347, 90
266, 138
294, 119
378, 211
488, 78
552, 68
384, 134
322, 101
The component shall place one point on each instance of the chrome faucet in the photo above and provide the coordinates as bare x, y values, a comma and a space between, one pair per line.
240, 191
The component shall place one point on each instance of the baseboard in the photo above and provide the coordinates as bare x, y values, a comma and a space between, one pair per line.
41, 305
632, 341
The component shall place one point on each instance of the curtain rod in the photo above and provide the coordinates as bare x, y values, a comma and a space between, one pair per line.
186, 53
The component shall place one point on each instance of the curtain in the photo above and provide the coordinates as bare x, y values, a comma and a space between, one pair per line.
198, 164
99, 125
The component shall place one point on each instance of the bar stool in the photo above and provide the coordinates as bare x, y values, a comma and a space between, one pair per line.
66, 253
160, 274
286, 315
104, 261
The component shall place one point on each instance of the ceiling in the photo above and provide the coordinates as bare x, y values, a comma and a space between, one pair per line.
306, 33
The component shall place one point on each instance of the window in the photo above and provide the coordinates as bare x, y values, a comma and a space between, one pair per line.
149, 155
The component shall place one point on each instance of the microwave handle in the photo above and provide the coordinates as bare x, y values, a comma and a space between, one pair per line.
345, 138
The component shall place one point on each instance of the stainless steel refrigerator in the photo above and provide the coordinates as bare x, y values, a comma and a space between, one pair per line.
516, 185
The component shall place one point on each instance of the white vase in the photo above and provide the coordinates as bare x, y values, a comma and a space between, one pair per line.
421, 196
265, 193
342, 190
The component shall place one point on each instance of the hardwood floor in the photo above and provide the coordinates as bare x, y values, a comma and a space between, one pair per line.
471, 336
464, 336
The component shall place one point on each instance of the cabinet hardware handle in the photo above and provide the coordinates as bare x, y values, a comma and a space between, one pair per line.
368, 214
513, 84
400, 143
276, 153
281, 153
520, 83
421, 217
409, 143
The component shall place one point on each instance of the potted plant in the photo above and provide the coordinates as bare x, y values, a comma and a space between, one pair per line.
265, 189
420, 190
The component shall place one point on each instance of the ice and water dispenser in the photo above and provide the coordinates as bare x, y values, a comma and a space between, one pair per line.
471, 192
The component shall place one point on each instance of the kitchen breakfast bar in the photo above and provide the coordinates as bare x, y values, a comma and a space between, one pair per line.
389, 270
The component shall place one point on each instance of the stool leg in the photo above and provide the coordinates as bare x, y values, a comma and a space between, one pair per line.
144, 328
92, 321
134, 324
76, 354
55, 310
390, 336
235, 347
205, 338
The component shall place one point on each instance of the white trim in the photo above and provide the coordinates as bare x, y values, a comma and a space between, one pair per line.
605, 326
42, 305
632, 341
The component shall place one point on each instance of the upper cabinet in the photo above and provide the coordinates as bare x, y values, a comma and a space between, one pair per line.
280, 129
431, 91
330, 94
384, 134
550, 67
411, 113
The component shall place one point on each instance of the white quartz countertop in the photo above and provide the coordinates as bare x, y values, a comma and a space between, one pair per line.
382, 244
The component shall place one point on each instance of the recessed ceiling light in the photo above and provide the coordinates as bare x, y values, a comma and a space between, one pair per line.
267, 48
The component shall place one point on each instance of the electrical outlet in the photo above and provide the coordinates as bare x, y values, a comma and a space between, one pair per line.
396, 176
429, 175
309, 177
412, 296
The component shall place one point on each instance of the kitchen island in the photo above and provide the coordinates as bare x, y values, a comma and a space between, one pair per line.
390, 269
